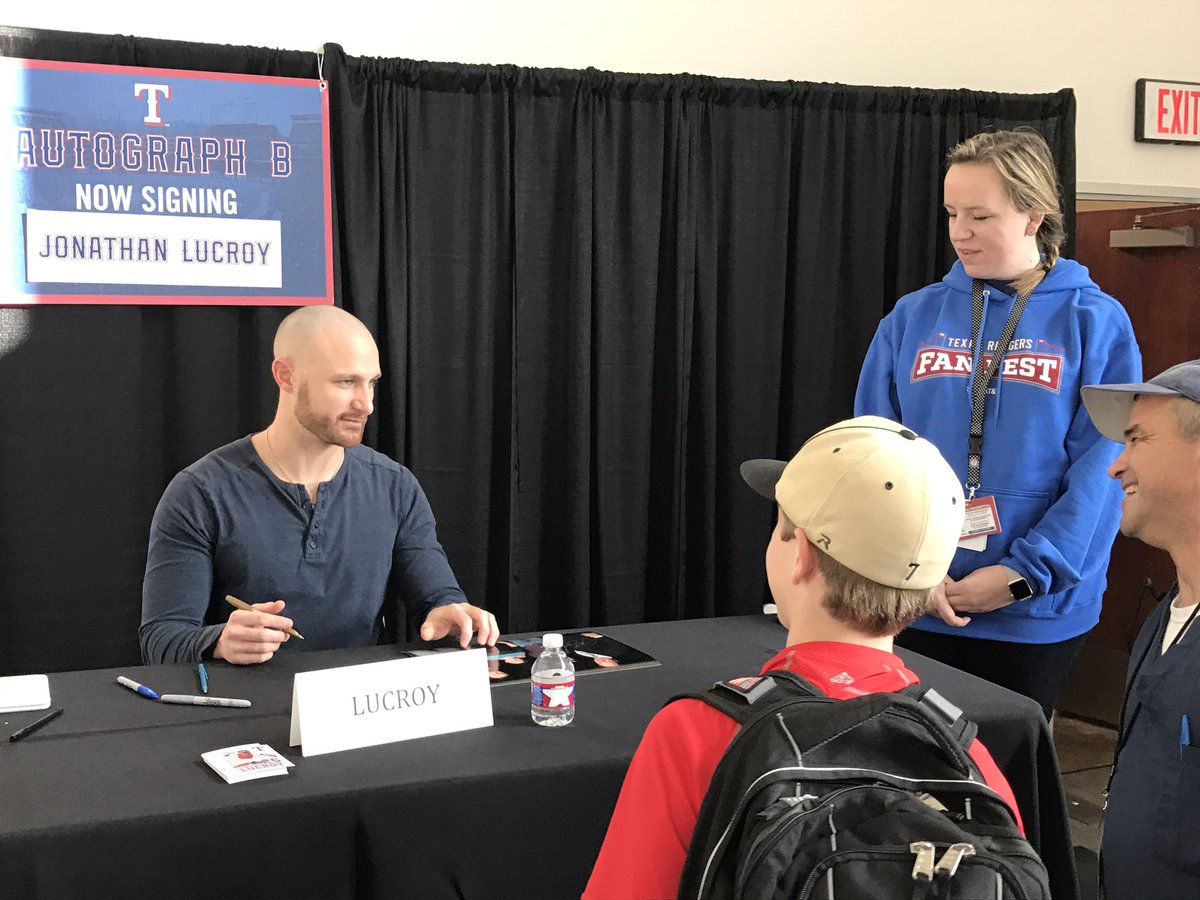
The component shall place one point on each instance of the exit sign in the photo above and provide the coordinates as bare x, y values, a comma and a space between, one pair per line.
1168, 112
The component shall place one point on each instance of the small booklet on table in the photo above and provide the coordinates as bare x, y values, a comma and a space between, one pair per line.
246, 762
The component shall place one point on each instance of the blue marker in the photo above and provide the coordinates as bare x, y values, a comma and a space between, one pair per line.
203, 679
1185, 734
140, 688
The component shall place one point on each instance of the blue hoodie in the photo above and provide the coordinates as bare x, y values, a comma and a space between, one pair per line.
1043, 460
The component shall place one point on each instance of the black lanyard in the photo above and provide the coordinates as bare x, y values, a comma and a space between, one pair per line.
981, 378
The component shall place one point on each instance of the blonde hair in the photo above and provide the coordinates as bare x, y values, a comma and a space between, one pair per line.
1026, 168
866, 606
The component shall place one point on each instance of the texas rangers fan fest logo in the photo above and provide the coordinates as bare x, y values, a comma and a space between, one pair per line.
1039, 362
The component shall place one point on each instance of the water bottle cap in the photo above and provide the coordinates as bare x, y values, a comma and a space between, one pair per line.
552, 641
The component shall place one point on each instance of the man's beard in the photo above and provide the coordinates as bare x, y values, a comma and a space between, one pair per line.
324, 429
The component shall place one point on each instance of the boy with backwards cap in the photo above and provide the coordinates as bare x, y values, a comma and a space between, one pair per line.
869, 517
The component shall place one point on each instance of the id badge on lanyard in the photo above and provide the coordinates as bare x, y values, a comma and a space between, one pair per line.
982, 518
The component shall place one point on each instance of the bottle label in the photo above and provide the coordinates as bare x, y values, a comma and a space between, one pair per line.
554, 695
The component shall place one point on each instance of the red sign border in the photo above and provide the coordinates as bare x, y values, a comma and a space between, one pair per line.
186, 299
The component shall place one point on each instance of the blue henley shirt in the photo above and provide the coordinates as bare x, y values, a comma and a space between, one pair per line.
366, 551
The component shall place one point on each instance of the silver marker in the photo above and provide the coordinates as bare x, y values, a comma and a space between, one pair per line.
189, 700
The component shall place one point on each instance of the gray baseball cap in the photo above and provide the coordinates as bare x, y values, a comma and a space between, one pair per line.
1109, 404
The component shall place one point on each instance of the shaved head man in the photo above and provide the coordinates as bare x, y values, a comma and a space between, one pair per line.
312, 344
300, 517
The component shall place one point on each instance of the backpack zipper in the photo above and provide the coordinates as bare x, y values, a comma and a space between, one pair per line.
923, 867
953, 858
987, 860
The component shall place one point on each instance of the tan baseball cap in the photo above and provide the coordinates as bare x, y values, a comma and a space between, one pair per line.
874, 496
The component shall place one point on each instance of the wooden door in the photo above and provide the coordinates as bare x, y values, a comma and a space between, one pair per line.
1160, 288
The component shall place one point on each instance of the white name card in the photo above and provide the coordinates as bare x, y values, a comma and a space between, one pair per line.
395, 700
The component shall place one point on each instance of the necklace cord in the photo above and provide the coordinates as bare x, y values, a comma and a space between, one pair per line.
278, 461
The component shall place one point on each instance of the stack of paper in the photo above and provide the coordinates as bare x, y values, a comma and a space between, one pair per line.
21, 692
246, 762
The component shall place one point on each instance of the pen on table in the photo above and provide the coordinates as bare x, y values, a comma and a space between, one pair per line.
190, 700
140, 688
34, 726
1185, 734
203, 678
242, 604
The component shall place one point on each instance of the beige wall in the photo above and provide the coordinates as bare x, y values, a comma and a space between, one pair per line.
1098, 47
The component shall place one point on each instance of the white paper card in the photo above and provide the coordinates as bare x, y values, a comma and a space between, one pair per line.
246, 762
21, 692
394, 700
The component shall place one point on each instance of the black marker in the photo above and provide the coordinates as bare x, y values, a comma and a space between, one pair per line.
34, 726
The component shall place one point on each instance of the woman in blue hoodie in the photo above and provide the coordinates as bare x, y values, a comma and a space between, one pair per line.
1026, 584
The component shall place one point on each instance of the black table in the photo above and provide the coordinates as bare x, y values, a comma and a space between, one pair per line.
112, 798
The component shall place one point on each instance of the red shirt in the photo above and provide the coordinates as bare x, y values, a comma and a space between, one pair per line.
651, 828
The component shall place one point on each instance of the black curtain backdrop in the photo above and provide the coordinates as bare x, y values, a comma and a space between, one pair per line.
595, 294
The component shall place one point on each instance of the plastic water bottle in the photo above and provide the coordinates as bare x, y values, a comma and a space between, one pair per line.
553, 679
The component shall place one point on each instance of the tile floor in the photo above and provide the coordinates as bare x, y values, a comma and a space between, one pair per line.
1084, 756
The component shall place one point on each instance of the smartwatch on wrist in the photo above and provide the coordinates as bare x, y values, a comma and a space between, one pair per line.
1020, 589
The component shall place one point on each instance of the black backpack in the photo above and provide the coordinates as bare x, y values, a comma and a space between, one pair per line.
873, 797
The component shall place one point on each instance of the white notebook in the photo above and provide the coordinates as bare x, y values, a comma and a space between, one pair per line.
21, 692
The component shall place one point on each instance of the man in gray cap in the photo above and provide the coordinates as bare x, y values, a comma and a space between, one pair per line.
1150, 845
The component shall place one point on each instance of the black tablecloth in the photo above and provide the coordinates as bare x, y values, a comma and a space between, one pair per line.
112, 798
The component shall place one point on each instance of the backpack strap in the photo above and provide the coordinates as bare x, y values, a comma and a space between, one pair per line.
740, 698
962, 728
